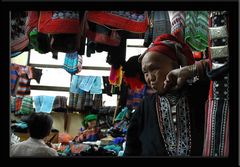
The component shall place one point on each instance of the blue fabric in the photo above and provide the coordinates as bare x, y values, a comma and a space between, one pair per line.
44, 103
87, 83
115, 148
96, 87
118, 140
71, 62
122, 114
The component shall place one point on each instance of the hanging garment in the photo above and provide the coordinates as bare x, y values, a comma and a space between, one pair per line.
196, 30
39, 41
103, 35
159, 24
71, 63
19, 38
44, 103
58, 22
96, 87
177, 19
60, 104
87, 83
32, 21
133, 21
106, 85
216, 143
67, 43
97, 101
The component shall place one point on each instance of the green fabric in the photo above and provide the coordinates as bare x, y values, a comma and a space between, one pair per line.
122, 114
89, 118
196, 31
27, 106
33, 40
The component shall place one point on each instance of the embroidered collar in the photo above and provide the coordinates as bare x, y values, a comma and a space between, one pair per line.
177, 142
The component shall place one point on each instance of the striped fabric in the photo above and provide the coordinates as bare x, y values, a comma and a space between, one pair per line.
216, 142
134, 98
196, 31
23, 87
26, 107
71, 63
20, 79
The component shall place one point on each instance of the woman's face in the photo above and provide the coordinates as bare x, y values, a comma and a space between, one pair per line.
155, 67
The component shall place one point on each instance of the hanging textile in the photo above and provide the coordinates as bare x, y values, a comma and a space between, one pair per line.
103, 35
58, 22
159, 24
19, 38
71, 63
26, 106
44, 103
177, 19
60, 104
196, 30
133, 21
216, 141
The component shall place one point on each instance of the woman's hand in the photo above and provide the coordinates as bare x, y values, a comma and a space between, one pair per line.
176, 78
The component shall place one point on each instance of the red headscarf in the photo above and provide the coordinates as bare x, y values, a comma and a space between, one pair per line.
168, 45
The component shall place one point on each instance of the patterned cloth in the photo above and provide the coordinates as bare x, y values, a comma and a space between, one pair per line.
196, 31
177, 138
160, 24
216, 143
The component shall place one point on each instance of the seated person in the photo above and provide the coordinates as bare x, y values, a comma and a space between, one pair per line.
91, 131
40, 125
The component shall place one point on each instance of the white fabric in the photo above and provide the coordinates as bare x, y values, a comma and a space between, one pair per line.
32, 147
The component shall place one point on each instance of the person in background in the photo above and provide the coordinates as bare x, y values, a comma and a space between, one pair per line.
40, 125
91, 131
171, 121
